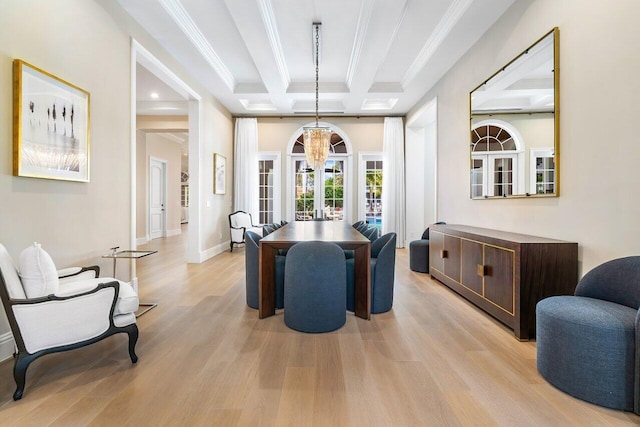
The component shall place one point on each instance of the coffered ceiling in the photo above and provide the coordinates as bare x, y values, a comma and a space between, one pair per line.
378, 57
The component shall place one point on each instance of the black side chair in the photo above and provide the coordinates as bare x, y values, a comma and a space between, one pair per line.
419, 252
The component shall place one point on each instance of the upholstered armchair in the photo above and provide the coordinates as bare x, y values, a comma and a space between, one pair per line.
50, 314
419, 252
588, 344
383, 265
252, 262
314, 287
239, 223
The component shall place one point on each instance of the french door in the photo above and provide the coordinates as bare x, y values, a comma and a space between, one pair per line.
319, 194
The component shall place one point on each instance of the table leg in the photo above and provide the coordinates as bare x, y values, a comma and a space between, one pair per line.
267, 281
362, 282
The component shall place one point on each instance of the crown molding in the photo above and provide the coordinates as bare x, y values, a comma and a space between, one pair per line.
181, 17
366, 9
269, 20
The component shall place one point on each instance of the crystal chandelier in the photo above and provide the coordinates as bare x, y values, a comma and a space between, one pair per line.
316, 138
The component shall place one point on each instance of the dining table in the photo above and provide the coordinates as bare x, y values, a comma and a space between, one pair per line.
338, 232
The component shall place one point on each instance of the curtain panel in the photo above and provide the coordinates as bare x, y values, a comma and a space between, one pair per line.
245, 167
393, 191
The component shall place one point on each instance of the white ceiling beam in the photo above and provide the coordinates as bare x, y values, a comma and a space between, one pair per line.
269, 20
366, 9
184, 21
446, 24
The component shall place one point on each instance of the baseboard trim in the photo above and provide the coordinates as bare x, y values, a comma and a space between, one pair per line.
142, 240
174, 232
216, 250
7, 346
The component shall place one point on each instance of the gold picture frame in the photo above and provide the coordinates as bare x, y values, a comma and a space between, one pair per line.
219, 174
51, 130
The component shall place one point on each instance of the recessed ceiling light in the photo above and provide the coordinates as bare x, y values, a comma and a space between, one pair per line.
154, 95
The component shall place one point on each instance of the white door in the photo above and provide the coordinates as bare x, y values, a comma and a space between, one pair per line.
157, 198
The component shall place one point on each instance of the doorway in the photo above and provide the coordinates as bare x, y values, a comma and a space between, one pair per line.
157, 198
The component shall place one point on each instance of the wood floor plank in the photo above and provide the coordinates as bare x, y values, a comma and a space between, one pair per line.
206, 359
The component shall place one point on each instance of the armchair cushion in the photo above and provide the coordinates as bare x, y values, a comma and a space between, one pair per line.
127, 298
38, 272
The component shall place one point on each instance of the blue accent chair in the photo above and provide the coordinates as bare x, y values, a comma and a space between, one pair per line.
252, 254
371, 234
315, 287
419, 252
362, 227
589, 344
267, 229
358, 224
383, 265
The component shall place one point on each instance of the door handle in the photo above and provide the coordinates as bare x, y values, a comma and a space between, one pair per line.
444, 254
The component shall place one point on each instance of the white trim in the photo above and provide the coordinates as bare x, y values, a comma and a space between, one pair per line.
183, 20
142, 240
140, 55
446, 24
269, 20
165, 185
7, 346
213, 251
534, 153
174, 232
276, 157
519, 185
363, 157
366, 9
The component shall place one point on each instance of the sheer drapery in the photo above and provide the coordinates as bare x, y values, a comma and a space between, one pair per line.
245, 166
393, 207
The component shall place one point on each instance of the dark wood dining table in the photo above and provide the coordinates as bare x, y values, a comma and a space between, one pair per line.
338, 232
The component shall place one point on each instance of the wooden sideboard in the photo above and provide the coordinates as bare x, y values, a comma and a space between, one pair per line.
504, 274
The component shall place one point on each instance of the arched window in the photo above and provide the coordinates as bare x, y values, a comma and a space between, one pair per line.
319, 193
496, 156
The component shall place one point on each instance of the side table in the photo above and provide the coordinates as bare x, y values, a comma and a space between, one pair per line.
129, 254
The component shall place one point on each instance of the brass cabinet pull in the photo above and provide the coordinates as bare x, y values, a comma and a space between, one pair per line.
481, 270
444, 254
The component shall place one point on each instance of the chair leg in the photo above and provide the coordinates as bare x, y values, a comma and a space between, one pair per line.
132, 331
23, 360
231, 246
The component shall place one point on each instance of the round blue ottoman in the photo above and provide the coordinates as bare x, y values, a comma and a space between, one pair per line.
586, 347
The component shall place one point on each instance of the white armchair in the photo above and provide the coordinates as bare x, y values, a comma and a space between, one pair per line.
75, 309
240, 222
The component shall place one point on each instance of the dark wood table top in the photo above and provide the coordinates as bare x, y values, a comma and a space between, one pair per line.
324, 231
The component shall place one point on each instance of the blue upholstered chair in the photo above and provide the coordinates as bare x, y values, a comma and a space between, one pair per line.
419, 252
267, 229
252, 254
588, 344
315, 287
358, 224
383, 265
371, 233
362, 227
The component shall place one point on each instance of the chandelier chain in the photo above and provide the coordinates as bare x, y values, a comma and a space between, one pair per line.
317, 68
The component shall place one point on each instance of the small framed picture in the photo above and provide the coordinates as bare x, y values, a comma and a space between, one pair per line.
219, 174
50, 126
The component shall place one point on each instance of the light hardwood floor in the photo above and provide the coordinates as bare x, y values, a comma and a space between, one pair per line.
206, 359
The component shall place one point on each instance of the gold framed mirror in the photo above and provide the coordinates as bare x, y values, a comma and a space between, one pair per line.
515, 126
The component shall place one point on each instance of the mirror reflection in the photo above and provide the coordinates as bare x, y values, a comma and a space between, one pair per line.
514, 126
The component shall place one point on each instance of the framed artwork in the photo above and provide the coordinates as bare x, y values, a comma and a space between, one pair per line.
219, 174
50, 126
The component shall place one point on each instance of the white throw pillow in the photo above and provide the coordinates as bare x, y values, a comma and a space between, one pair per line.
37, 272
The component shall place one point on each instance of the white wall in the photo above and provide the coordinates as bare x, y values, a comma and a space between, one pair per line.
88, 44
599, 156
